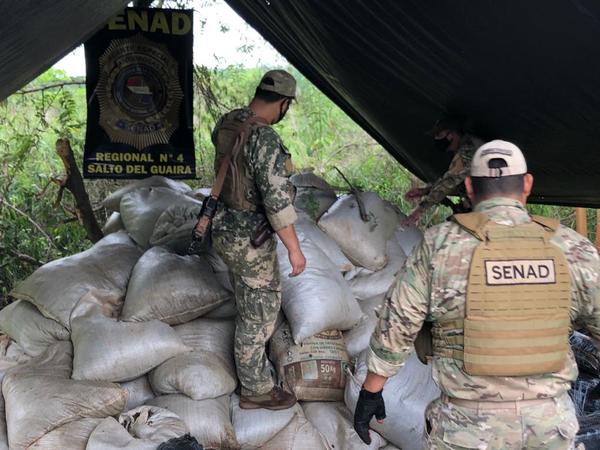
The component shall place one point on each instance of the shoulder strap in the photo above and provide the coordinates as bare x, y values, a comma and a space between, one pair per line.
473, 222
241, 130
547, 222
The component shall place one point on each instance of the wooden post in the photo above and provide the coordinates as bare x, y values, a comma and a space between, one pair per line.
581, 221
73, 181
598, 229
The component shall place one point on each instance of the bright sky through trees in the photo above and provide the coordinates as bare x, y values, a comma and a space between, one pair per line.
221, 39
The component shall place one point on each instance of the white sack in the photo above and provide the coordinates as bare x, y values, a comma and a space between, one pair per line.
33, 332
222, 273
171, 288
113, 224
207, 420
318, 299
139, 392
408, 237
140, 209
118, 237
254, 427
113, 201
56, 287
174, 226
313, 195
11, 355
71, 436
107, 349
315, 370
362, 242
335, 423
227, 310
308, 230
357, 339
299, 434
40, 397
370, 284
143, 428
406, 396
208, 371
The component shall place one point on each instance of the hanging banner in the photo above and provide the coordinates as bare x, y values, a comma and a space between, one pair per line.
139, 93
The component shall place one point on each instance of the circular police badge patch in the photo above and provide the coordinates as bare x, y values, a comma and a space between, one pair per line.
138, 92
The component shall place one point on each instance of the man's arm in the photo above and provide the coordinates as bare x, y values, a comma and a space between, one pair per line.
290, 240
445, 185
271, 173
400, 320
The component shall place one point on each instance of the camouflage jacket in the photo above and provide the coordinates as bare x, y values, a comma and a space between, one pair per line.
456, 173
270, 165
432, 287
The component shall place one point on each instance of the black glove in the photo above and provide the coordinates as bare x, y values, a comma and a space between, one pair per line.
369, 404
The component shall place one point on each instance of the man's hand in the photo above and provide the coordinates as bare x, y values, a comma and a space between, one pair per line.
416, 193
297, 261
413, 218
369, 404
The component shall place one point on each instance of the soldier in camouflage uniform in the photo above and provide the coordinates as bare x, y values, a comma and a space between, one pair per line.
531, 411
261, 194
449, 136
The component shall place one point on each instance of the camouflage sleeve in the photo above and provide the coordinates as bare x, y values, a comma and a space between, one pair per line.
213, 135
272, 168
445, 185
402, 316
584, 265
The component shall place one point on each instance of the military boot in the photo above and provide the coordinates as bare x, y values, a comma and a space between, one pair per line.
275, 399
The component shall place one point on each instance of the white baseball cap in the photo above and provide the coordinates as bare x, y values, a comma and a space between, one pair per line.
498, 149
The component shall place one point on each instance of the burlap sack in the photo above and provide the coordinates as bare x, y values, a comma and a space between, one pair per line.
315, 370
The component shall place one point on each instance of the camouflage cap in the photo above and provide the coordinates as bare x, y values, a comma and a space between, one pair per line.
498, 149
280, 82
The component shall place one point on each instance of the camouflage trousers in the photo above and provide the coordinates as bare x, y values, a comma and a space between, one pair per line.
258, 298
551, 425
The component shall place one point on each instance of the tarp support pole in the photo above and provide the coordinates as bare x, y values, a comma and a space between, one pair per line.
581, 221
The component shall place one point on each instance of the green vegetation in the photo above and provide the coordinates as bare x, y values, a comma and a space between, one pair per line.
34, 230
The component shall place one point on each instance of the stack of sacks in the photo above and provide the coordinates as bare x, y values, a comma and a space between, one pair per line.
104, 269
137, 337
113, 201
319, 299
40, 397
287, 429
335, 422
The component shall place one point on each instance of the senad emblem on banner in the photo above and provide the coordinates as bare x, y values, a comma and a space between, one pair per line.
139, 90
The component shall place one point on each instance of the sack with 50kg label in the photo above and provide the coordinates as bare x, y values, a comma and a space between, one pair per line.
313, 370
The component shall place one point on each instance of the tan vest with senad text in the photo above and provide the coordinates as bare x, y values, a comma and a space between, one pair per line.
517, 302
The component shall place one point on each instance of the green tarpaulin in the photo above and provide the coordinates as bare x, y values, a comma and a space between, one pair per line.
525, 71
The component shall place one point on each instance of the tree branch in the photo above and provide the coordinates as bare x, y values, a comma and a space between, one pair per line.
74, 183
49, 86
23, 257
33, 222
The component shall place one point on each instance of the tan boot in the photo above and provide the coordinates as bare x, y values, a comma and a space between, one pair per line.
275, 399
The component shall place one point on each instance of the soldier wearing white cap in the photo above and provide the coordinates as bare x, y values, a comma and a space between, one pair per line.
500, 290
